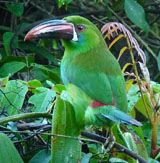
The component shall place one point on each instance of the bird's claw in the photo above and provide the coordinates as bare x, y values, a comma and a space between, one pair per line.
108, 145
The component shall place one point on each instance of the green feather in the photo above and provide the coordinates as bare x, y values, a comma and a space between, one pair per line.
108, 114
91, 73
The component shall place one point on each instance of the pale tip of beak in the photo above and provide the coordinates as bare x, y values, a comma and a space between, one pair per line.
75, 37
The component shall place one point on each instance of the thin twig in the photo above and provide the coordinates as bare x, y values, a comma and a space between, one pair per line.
116, 145
95, 139
138, 80
4, 94
24, 116
57, 135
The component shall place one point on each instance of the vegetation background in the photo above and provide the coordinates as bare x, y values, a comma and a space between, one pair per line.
30, 82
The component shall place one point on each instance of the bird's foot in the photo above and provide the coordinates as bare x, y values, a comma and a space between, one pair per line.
108, 145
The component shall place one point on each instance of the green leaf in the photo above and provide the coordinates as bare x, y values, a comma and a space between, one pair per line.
147, 129
6, 39
141, 147
151, 160
33, 84
155, 86
44, 73
42, 100
136, 145
129, 84
12, 126
15, 8
59, 88
86, 157
65, 96
93, 148
4, 28
10, 68
63, 2
64, 123
141, 107
27, 59
158, 156
3, 82
13, 97
133, 96
130, 141
50, 83
44, 156
136, 14
3, 52
8, 153
125, 66
139, 132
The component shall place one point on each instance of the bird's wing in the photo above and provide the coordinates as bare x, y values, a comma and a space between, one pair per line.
95, 85
102, 80
107, 114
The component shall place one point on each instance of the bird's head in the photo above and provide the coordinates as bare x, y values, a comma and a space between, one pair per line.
75, 32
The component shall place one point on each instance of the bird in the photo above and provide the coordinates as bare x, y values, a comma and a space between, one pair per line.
91, 74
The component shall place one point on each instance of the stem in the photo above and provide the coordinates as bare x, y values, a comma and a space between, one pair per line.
49, 134
155, 124
24, 116
138, 80
155, 121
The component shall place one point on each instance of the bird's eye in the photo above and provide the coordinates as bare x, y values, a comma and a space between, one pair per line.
80, 28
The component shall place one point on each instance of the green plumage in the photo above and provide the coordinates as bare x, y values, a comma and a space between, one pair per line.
91, 73
94, 82
97, 73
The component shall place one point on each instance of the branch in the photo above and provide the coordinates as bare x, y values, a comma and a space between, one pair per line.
25, 116
95, 138
49, 134
116, 145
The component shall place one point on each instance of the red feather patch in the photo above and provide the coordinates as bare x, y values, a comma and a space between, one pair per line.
96, 104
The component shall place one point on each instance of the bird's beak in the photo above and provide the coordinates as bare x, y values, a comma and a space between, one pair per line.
55, 29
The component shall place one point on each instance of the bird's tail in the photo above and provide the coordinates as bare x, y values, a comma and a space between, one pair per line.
106, 114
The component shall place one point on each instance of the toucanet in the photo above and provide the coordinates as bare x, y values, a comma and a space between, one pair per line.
91, 74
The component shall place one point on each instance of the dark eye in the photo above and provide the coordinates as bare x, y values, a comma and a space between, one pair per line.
80, 28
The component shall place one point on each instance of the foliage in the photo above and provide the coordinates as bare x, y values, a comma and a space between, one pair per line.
136, 14
8, 151
31, 88
64, 123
